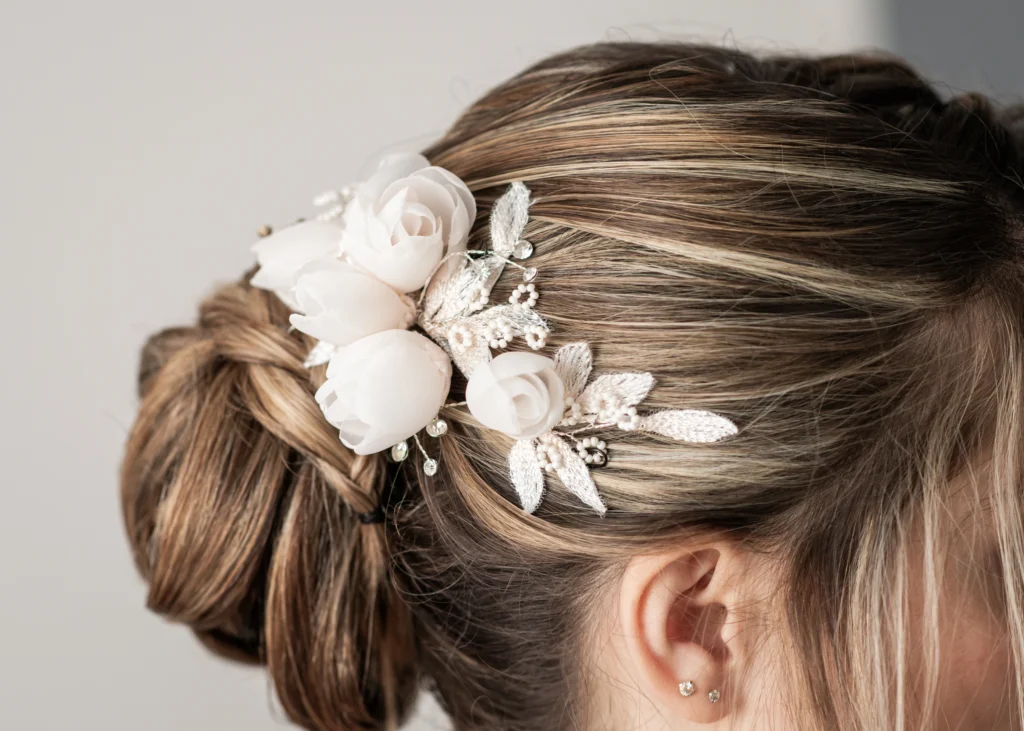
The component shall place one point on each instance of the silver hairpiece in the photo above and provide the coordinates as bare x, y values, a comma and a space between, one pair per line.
349, 279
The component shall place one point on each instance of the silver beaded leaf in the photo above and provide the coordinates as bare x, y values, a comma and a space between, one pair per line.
459, 293
689, 425
573, 364
526, 474
627, 389
508, 219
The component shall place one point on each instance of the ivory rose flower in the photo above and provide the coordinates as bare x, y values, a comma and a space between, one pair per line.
519, 394
340, 304
284, 252
383, 388
405, 218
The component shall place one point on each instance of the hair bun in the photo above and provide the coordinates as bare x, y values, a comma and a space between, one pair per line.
241, 505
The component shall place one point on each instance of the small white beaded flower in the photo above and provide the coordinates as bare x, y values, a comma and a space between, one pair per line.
536, 337
608, 406
500, 333
629, 419
592, 450
478, 298
530, 290
573, 412
549, 458
461, 338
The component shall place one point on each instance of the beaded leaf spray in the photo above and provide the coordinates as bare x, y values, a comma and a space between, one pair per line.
454, 312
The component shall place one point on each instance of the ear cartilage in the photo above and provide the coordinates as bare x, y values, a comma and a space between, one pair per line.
714, 695
687, 688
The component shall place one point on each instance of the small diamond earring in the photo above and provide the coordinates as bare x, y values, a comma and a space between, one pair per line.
714, 695
687, 688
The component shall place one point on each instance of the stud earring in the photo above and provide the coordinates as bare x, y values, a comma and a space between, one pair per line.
687, 688
714, 695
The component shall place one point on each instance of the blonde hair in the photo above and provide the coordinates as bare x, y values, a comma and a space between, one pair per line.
820, 249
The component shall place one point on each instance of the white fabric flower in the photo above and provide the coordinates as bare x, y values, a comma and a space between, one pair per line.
339, 303
519, 394
283, 253
384, 388
405, 218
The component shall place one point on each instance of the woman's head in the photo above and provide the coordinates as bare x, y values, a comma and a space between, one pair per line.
821, 250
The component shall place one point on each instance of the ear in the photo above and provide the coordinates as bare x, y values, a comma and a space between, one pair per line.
678, 611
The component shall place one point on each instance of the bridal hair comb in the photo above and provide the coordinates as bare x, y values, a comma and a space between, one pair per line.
349, 275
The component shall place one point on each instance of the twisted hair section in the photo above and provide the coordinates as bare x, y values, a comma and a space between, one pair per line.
240, 504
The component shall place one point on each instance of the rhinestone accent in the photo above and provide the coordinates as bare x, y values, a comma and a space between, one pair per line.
687, 688
400, 451
430, 467
437, 428
523, 250
713, 696
529, 274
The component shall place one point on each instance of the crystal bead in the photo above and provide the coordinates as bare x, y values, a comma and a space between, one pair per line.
713, 696
686, 688
437, 427
523, 250
529, 274
400, 451
430, 467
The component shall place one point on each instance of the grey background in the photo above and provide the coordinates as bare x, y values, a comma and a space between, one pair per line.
143, 145
965, 45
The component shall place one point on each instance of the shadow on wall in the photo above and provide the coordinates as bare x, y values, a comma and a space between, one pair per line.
963, 44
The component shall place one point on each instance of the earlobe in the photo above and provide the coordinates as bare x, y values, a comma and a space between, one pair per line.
675, 609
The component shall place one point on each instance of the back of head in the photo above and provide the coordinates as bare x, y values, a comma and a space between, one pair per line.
820, 248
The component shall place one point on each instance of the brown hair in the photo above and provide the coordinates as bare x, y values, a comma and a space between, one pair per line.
821, 249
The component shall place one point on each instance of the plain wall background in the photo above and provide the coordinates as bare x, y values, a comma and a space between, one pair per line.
143, 145
968, 45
